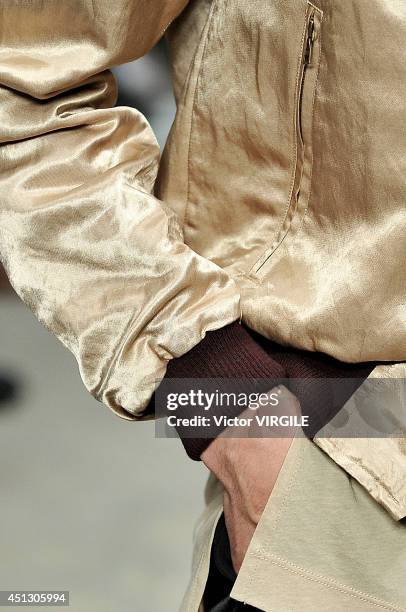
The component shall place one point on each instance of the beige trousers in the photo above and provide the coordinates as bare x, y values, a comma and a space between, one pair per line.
322, 544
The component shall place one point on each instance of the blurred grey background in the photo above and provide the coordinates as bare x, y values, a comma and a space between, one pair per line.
90, 503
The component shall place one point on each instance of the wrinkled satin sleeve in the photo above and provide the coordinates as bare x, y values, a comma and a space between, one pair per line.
86, 245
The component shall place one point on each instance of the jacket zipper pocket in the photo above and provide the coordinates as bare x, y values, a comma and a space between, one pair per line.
308, 73
308, 69
304, 113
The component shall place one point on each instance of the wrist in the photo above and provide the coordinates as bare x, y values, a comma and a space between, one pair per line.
229, 354
218, 458
215, 455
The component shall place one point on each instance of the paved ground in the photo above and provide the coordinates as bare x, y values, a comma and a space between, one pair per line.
89, 502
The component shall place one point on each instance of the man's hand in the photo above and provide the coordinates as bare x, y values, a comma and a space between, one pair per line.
248, 468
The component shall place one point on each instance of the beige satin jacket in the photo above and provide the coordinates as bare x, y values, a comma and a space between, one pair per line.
280, 194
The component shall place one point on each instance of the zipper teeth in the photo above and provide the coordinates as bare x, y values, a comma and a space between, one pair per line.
306, 63
309, 40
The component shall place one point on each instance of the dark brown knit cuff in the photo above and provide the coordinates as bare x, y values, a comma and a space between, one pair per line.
321, 383
227, 353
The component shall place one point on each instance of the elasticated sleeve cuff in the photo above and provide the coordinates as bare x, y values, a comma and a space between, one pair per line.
227, 353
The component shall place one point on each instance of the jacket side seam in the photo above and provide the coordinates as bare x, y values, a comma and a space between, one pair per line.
193, 105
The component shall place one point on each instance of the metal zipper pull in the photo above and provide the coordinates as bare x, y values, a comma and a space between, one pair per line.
309, 42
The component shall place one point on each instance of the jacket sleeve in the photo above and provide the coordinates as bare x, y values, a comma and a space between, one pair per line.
86, 245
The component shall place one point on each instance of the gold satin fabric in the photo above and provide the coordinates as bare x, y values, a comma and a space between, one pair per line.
280, 191
86, 244
314, 232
